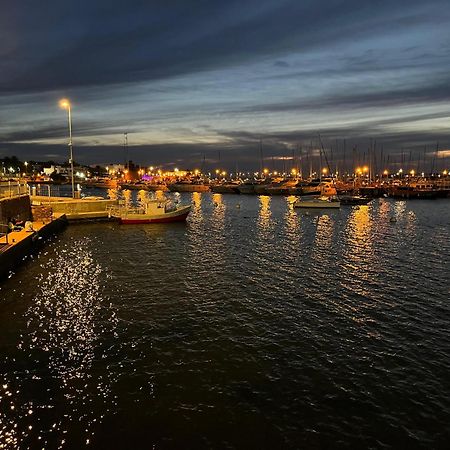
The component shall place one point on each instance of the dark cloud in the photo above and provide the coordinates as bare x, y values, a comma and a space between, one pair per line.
438, 92
95, 43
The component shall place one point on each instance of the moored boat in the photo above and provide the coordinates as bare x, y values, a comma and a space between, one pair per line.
354, 200
187, 186
410, 192
318, 202
226, 188
248, 187
152, 211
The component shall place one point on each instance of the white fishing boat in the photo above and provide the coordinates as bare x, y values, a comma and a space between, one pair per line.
317, 202
152, 211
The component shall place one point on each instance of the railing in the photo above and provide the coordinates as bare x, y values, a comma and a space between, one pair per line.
13, 189
50, 190
4, 229
118, 211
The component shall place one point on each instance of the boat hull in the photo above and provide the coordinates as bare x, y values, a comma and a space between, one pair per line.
181, 187
247, 189
353, 200
178, 215
411, 193
137, 220
225, 189
317, 205
321, 206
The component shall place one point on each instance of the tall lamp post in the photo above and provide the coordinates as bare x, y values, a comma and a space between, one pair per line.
65, 104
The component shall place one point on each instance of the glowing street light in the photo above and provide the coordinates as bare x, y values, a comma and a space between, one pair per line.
65, 104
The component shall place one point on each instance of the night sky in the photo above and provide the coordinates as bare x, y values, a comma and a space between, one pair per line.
189, 80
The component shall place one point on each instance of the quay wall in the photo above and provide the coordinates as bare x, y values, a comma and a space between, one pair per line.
18, 207
76, 209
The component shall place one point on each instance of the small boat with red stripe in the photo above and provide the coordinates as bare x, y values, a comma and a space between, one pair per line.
152, 211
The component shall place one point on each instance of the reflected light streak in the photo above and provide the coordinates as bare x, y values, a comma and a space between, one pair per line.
324, 233
63, 340
218, 216
359, 230
359, 253
292, 221
197, 199
265, 214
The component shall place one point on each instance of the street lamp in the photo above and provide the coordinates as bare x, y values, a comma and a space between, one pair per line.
65, 104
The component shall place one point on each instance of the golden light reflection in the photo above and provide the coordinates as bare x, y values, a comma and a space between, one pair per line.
217, 200
292, 220
359, 230
196, 216
112, 194
142, 197
127, 197
160, 195
265, 214
218, 211
197, 199
324, 234
359, 251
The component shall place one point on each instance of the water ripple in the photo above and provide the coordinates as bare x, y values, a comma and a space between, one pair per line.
253, 325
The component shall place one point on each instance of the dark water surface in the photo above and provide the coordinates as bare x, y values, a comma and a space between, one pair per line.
248, 327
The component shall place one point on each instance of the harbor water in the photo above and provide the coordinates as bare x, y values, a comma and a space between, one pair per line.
251, 326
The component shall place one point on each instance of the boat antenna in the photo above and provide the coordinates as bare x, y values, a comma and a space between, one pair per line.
326, 160
125, 150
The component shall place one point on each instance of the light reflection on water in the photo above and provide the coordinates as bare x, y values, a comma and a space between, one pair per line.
310, 326
61, 347
265, 216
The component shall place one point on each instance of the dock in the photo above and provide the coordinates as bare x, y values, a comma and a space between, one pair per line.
48, 216
95, 208
15, 246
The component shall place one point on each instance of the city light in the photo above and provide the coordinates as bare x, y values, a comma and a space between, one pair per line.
65, 104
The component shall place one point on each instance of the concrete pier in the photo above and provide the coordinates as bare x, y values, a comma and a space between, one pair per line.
76, 209
17, 245
49, 215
